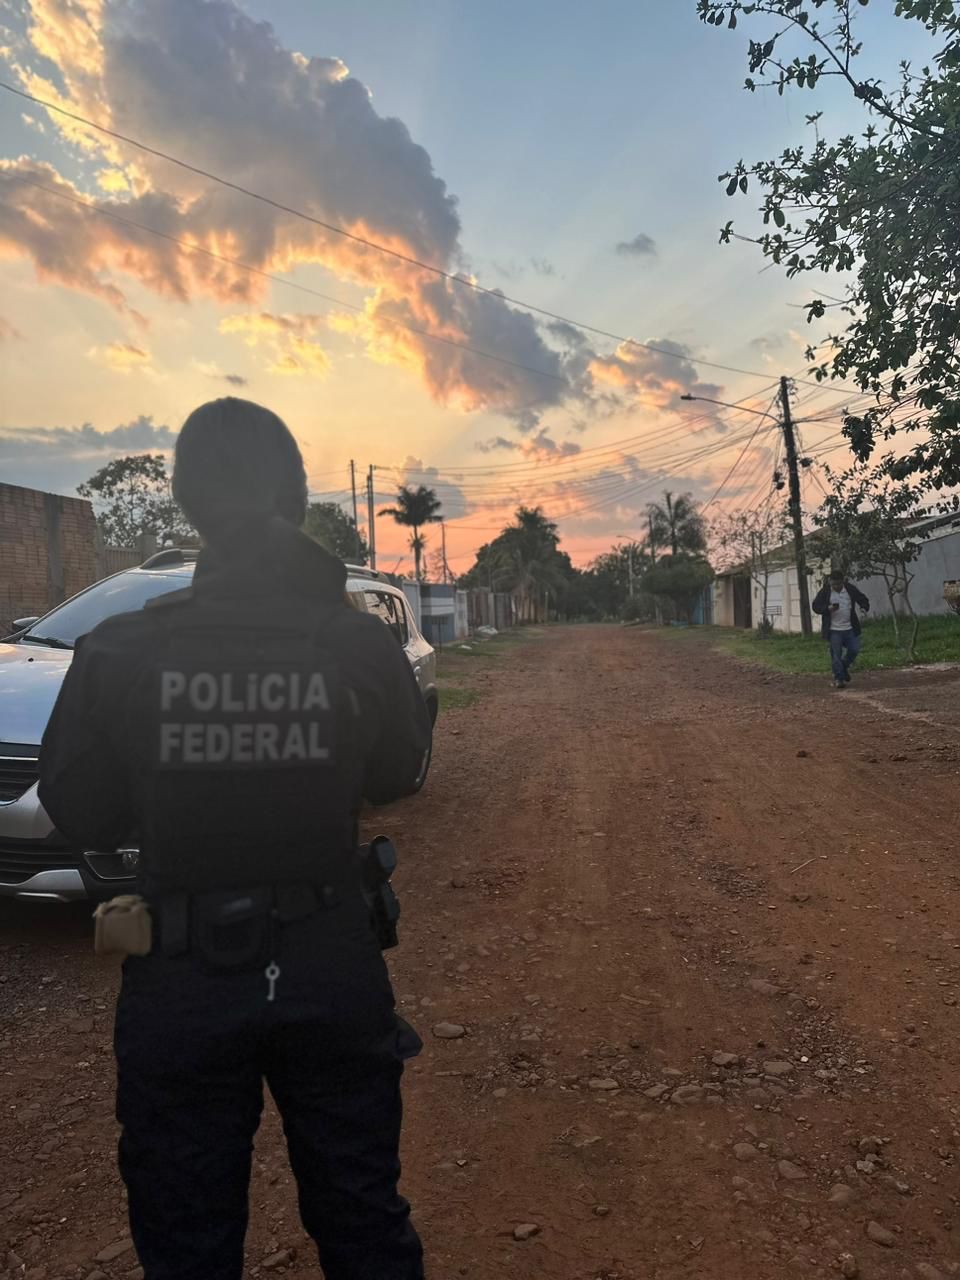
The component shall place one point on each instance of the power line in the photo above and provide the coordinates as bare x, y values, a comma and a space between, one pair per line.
293, 284
600, 484
332, 227
679, 462
723, 483
680, 424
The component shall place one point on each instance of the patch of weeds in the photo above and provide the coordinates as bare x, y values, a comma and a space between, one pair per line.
456, 698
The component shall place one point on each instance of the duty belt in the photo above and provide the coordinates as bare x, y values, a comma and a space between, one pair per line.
234, 928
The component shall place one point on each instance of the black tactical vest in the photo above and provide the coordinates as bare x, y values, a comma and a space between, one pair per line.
249, 747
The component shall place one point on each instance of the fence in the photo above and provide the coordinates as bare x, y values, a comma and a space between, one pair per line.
487, 608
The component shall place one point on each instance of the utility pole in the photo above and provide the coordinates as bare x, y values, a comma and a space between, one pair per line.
443, 537
356, 522
371, 520
630, 569
796, 516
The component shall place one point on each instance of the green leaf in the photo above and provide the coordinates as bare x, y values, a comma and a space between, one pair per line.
778, 217
732, 187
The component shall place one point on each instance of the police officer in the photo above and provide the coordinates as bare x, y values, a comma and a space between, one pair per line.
232, 731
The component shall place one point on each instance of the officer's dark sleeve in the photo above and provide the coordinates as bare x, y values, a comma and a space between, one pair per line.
820, 600
83, 785
859, 599
403, 732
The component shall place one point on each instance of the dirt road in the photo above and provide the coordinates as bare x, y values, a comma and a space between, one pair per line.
702, 927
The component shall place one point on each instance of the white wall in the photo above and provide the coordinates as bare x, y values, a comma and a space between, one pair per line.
938, 562
783, 598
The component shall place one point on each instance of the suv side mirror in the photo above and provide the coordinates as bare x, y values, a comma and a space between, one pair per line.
21, 624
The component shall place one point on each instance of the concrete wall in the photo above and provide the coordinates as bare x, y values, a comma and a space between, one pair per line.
938, 562
47, 550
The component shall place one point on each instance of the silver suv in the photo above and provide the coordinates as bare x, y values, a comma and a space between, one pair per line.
35, 860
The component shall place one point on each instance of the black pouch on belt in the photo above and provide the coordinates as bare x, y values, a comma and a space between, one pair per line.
234, 930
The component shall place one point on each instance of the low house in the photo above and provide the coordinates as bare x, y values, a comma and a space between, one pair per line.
738, 595
738, 598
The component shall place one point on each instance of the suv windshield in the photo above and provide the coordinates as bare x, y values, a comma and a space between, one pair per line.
125, 593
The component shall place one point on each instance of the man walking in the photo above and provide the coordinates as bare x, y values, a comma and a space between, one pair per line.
837, 603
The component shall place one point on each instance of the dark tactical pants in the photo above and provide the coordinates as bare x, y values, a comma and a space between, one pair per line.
193, 1049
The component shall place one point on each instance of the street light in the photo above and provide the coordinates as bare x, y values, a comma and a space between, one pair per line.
631, 541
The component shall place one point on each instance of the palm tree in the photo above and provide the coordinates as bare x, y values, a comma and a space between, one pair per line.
414, 509
525, 556
676, 523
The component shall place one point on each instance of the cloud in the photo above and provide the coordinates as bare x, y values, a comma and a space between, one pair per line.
767, 342
541, 445
60, 458
654, 379
543, 267
286, 337
210, 369
8, 332
113, 180
414, 473
641, 246
296, 127
122, 357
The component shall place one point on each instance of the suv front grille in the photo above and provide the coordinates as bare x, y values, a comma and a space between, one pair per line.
21, 859
17, 776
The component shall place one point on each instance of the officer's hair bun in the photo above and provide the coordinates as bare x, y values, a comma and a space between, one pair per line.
236, 460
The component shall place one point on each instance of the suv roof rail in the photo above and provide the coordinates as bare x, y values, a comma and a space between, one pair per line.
361, 571
170, 556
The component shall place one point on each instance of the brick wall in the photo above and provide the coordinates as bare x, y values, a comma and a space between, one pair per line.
48, 550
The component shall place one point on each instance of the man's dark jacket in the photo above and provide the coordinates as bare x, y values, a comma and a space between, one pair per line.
821, 605
224, 828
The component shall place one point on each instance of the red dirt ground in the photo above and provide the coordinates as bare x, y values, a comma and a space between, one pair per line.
633, 855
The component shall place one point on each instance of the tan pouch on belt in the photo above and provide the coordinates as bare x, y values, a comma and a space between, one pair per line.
123, 926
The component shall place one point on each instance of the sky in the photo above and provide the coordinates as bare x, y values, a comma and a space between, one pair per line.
556, 155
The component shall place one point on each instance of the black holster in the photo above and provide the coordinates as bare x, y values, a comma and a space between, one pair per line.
378, 861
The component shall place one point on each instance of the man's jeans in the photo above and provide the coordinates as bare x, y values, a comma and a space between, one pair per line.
842, 662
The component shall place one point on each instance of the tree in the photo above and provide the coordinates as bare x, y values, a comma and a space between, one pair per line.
679, 580
414, 509
131, 497
879, 209
328, 524
750, 540
677, 524
869, 526
525, 560
617, 576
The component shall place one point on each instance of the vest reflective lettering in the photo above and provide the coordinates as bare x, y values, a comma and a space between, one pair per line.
193, 743
248, 718
253, 692
242, 743
171, 735
227, 701
203, 692
315, 698
265, 738
172, 685
271, 693
218, 743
